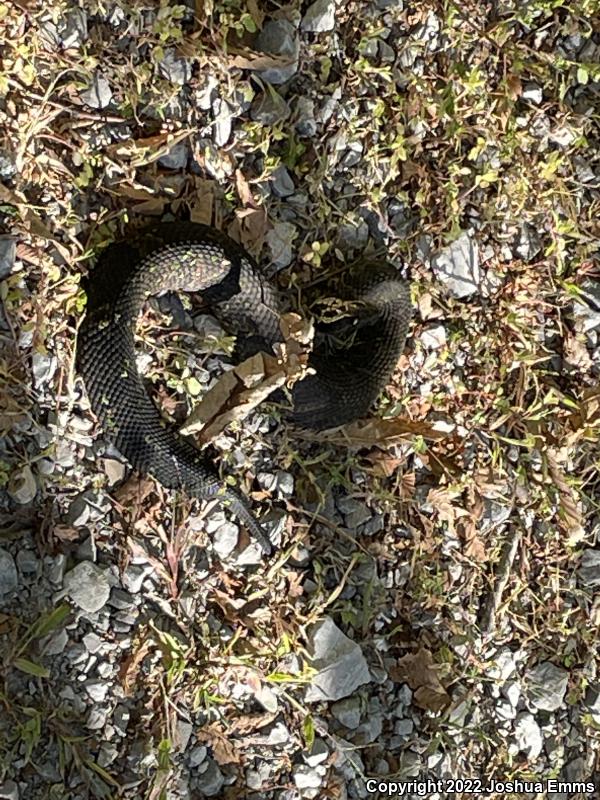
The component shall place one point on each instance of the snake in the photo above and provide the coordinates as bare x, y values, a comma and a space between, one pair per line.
351, 362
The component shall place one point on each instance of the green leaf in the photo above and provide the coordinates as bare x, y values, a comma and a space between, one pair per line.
48, 622
31, 668
308, 731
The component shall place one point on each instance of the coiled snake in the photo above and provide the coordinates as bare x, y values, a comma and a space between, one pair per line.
193, 257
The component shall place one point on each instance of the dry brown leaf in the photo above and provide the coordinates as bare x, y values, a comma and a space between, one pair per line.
243, 189
248, 723
223, 749
146, 150
240, 390
258, 61
420, 672
570, 517
130, 666
249, 228
377, 432
202, 202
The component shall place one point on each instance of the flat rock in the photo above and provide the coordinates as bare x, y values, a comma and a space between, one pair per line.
341, 665
319, 17
88, 586
98, 94
279, 38
457, 266
22, 486
589, 569
546, 685
8, 251
9, 578
279, 240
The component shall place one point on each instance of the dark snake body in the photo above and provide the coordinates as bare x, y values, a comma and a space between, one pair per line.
192, 257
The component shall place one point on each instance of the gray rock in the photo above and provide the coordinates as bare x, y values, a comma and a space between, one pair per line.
546, 685
8, 169
177, 157
27, 562
56, 643
97, 690
353, 235
22, 486
8, 252
97, 718
197, 756
9, 791
225, 539
72, 28
133, 577
319, 753
92, 642
9, 578
404, 728
586, 309
457, 266
222, 122
88, 586
533, 93
341, 665
528, 243
306, 124
281, 182
98, 94
319, 17
279, 38
211, 780
588, 573
174, 68
43, 368
55, 568
355, 512
279, 240
528, 736
269, 108
433, 337
369, 730
306, 777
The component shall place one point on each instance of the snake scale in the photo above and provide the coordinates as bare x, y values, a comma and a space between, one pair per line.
196, 258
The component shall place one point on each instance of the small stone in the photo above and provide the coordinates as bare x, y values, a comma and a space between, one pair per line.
97, 690
434, 337
457, 266
353, 235
267, 699
56, 643
98, 94
222, 122
528, 736
340, 662
306, 124
588, 573
22, 486
197, 756
532, 93
211, 780
92, 642
319, 17
269, 108
280, 239
8, 169
174, 68
97, 718
43, 368
225, 539
27, 562
527, 244
279, 38
177, 157
281, 182
9, 578
8, 252
404, 728
114, 470
319, 753
306, 777
546, 685
183, 734
9, 791
88, 586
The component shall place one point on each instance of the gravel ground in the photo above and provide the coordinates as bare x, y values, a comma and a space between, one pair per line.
431, 611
